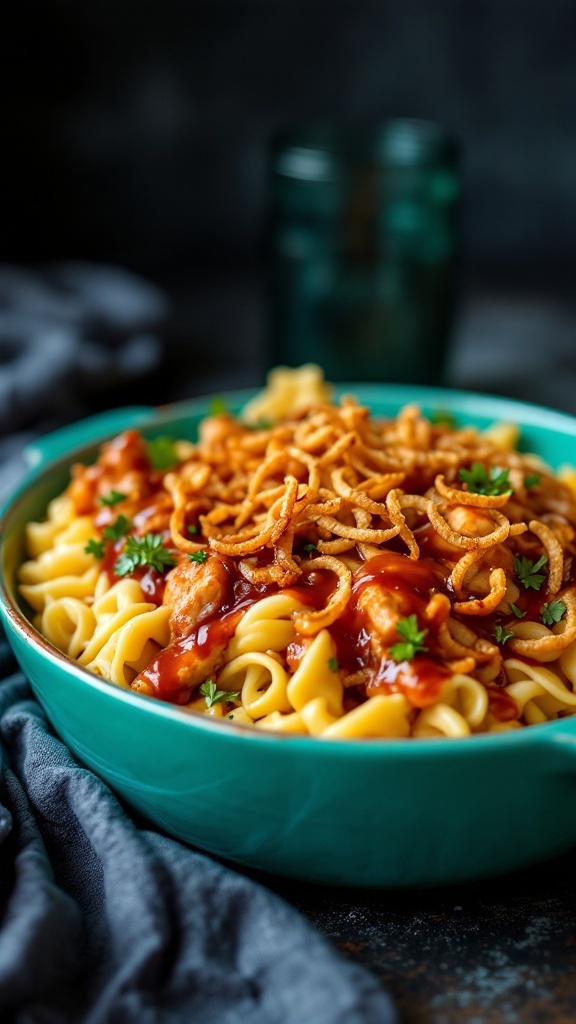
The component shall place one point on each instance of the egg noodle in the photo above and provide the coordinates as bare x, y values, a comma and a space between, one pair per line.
312, 569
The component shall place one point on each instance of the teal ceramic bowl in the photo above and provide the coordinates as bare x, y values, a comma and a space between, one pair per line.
362, 813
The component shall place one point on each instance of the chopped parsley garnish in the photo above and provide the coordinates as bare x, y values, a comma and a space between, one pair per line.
528, 572
479, 480
118, 529
193, 530
412, 640
532, 480
218, 406
553, 612
516, 611
310, 548
198, 556
95, 547
502, 634
113, 498
333, 664
443, 418
214, 696
262, 425
162, 453
142, 551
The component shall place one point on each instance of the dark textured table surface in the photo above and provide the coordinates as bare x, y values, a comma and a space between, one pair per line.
499, 951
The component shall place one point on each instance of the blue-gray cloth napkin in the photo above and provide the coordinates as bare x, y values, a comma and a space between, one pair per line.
68, 333
104, 921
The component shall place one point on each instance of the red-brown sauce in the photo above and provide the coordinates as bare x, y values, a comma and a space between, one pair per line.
169, 672
412, 583
123, 465
420, 680
151, 581
501, 704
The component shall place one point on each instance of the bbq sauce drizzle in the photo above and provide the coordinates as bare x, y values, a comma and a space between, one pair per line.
420, 679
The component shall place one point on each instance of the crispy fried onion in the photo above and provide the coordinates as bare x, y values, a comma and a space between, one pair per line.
455, 496
460, 540
485, 605
554, 552
277, 520
395, 502
311, 498
185, 507
309, 623
534, 640
334, 478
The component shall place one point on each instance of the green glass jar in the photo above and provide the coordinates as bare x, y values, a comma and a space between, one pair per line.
365, 240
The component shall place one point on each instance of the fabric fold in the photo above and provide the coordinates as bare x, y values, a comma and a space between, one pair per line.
108, 922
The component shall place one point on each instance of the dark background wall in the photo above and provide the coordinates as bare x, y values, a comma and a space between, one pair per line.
137, 132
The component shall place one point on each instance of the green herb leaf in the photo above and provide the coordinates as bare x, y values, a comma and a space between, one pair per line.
125, 564
214, 696
118, 529
443, 418
198, 556
142, 551
193, 530
527, 572
516, 611
95, 547
333, 664
310, 548
218, 406
262, 425
113, 498
532, 480
162, 453
413, 637
502, 634
479, 480
553, 612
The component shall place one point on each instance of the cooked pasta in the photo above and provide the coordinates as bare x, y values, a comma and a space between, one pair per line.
322, 572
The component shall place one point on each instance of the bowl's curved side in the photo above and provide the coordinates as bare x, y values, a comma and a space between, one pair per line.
370, 814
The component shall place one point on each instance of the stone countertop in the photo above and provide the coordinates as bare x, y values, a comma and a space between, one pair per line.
498, 951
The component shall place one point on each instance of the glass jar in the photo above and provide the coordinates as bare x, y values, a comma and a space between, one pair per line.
365, 240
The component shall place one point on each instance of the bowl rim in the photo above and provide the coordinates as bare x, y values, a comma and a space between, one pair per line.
539, 417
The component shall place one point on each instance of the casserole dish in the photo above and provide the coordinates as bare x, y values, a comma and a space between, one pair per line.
363, 813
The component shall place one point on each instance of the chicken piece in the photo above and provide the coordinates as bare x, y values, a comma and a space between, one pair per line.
217, 430
194, 592
123, 464
383, 610
178, 669
470, 521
